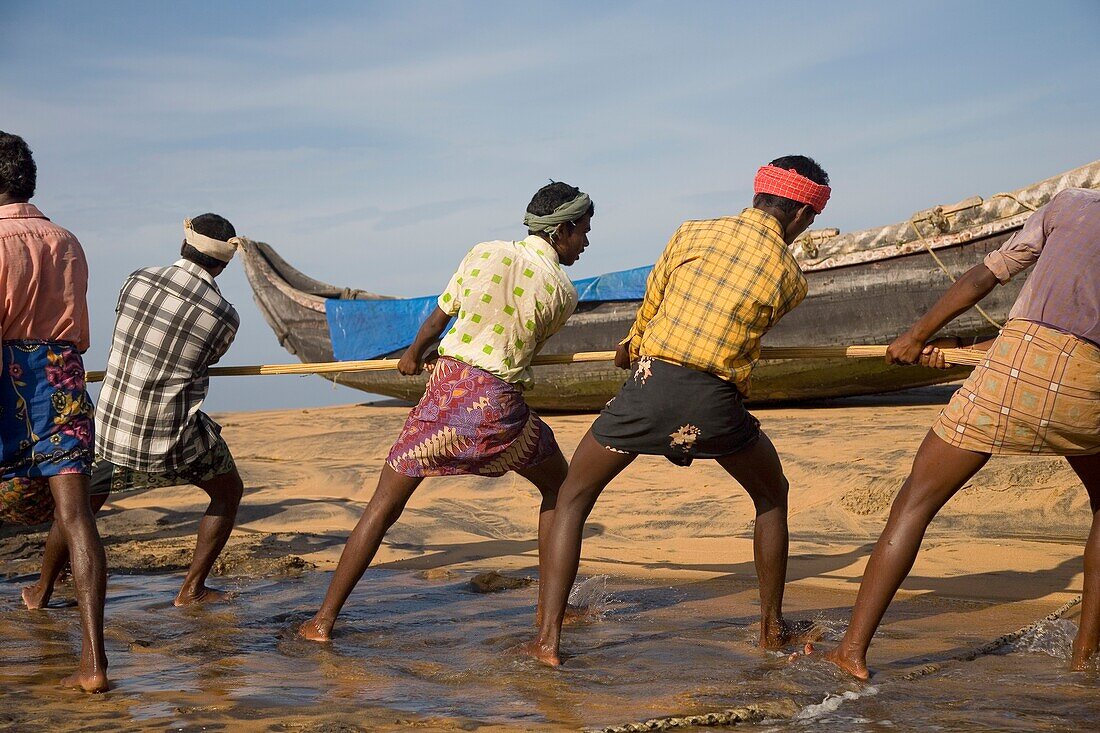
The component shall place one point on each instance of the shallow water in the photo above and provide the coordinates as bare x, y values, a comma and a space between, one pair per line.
433, 654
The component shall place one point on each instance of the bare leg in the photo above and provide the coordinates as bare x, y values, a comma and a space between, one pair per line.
54, 560
225, 493
759, 470
384, 508
1088, 636
592, 468
547, 478
939, 470
73, 514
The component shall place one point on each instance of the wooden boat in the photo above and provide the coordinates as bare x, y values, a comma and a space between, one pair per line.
865, 287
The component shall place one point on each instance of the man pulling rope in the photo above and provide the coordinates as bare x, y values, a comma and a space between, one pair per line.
172, 324
717, 288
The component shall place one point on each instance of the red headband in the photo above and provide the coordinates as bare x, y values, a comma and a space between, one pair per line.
791, 185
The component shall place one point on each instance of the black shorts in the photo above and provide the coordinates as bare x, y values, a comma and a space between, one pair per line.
680, 413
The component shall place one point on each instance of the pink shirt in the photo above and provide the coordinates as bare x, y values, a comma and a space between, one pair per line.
43, 279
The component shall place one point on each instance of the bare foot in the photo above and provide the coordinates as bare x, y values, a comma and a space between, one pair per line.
855, 667
315, 630
88, 681
202, 595
1080, 660
540, 652
776, 636
36, 597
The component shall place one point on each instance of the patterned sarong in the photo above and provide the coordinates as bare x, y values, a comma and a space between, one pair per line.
470, 422
25, 501
29, 500
1036, 392
213, 463
45, 425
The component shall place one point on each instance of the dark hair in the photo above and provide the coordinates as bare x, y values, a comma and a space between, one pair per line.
18, 173
213, 226
802, 165
553, 195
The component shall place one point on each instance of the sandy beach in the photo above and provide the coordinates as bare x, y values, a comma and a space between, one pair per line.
1015, 533
1005, 552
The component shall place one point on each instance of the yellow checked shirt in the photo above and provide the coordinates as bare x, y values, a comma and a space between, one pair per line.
718, 287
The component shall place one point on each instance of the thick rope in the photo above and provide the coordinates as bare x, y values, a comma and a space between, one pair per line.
1013, 196
964, 357
756, 713
989, 647
723, 718
928, 248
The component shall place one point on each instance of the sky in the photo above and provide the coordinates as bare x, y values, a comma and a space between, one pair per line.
374, 143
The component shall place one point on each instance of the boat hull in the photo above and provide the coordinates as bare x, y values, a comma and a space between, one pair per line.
862, 303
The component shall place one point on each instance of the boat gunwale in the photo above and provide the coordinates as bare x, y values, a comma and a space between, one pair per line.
969, 235
273, 274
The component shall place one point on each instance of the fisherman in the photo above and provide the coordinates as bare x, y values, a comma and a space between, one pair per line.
1036, 392
717, 288
172, 324
45, 412
508, 298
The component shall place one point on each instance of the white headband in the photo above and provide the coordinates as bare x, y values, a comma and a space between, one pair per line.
219, 250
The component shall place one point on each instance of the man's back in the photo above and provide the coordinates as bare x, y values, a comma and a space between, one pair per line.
717, 288
172, 324
43, 279
508, 299
1061, 243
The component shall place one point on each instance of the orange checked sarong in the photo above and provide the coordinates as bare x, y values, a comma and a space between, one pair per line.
1036, 392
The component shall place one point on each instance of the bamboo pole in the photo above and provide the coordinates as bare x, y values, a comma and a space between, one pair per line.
956, 357
953, 356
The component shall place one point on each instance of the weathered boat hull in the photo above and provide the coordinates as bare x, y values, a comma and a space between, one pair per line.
866, 287
866, 303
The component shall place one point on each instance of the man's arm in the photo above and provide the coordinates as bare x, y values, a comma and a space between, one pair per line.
447, 306
218, 338
412, 360
933, 356
792, 293
656, 283
553, 317
220, 344
968, 290
1020, 252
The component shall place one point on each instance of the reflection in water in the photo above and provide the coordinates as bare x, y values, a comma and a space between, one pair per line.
432, 653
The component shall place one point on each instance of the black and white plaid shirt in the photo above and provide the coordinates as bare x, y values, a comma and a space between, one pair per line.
172, 324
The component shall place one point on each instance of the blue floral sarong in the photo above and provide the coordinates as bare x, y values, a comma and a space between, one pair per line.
46, 424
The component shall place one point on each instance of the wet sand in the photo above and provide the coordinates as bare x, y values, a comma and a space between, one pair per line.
418, 649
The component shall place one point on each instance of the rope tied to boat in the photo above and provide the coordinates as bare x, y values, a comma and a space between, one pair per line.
928, 248
1015, 198
938, 219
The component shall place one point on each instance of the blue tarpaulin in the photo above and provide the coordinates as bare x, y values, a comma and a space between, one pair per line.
369, 329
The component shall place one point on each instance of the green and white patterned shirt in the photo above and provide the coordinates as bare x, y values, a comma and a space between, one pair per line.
509, 298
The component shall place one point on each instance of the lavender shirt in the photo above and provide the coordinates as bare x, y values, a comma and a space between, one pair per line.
1062, 241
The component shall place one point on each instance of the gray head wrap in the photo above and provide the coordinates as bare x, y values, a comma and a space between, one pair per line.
570, 211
